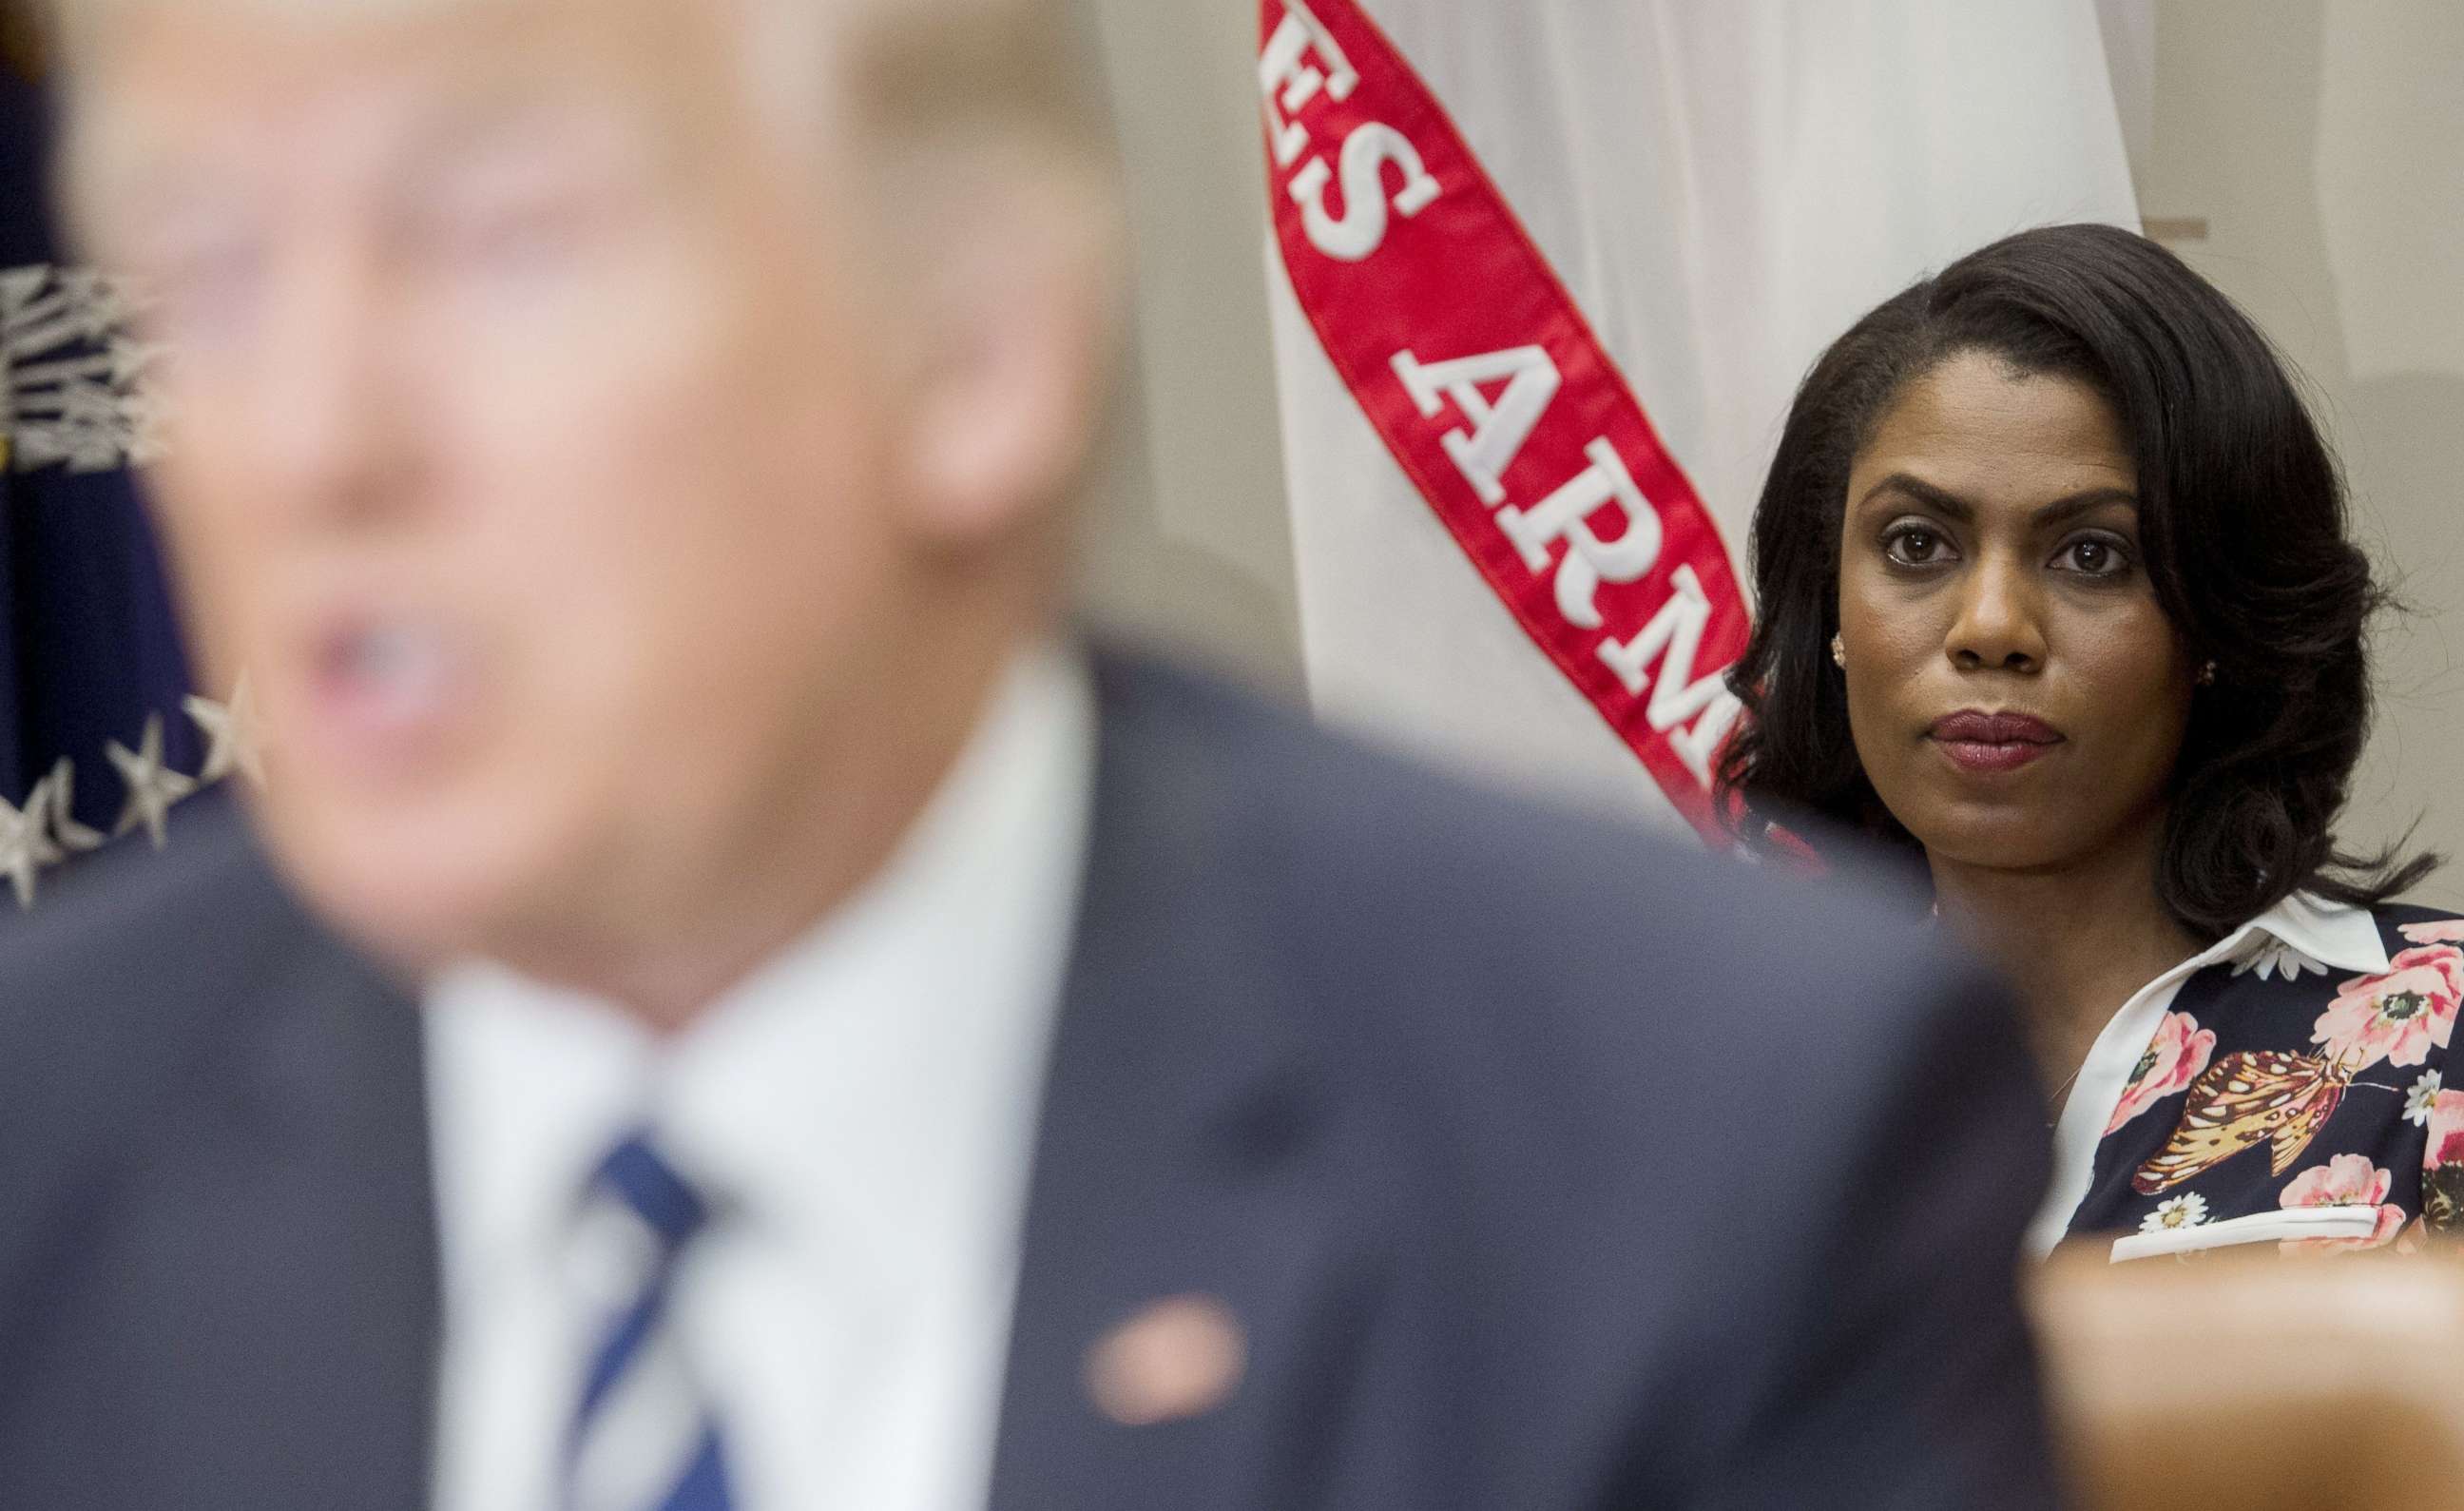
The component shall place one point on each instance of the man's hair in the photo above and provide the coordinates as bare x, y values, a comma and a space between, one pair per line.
909, 67
936, 65
2243, 521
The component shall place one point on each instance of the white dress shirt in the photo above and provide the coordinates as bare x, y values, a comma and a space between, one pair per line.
2327, 934
864, 1108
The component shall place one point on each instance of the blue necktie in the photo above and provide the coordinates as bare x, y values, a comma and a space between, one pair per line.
642, 1435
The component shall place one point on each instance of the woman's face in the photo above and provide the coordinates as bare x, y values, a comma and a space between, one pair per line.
2016, 696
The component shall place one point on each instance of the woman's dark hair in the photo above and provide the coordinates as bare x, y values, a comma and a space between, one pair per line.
2242, 526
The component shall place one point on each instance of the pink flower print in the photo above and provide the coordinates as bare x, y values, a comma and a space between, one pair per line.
2446, 1130
2348, 1180
2442, 1166
2175, 1056
2437, 931
2396, 1018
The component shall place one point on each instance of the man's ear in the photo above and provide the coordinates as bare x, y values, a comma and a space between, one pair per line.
1012, 314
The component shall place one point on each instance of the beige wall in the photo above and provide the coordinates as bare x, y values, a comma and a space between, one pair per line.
2323, 142
1188, 539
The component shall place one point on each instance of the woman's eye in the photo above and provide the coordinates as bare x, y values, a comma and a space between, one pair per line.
1914, 546
2093, 558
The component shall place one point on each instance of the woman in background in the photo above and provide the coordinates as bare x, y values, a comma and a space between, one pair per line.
2058, 591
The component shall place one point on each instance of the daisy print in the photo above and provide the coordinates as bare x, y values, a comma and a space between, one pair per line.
2421, 1099
2187, 1210
2269, 956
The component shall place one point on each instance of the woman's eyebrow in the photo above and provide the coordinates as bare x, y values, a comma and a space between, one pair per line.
1923, 492
2064, 510
2060, 511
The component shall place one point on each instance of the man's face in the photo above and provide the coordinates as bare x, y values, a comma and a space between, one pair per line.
524, 448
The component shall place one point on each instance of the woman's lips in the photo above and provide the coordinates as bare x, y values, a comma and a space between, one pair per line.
1989, 743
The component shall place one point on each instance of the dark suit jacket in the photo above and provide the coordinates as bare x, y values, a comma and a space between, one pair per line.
1543, 1166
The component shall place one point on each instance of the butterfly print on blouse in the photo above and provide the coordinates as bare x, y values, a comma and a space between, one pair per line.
2244, 1100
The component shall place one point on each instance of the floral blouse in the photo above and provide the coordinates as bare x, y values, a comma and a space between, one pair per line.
2290, 1091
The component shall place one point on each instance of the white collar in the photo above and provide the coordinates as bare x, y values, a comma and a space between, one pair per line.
872, 1087
2326, 934
2333, 934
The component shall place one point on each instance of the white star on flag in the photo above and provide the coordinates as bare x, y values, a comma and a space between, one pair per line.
71, 837
235, 741
22, 844
153, 788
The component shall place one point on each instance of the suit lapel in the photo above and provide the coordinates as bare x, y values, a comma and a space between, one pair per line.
1176, 1157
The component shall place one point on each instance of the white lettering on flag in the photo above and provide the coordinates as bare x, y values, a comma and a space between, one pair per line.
1617, 544
1676, 634
1566, 516
1362, 229
1498, 430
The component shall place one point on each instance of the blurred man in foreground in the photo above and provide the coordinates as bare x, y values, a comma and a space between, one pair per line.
736, 1007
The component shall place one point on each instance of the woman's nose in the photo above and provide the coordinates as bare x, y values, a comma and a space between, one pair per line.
1998, 626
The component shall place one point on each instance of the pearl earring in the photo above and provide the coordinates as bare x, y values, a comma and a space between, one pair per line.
2207, 674
1839, 652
